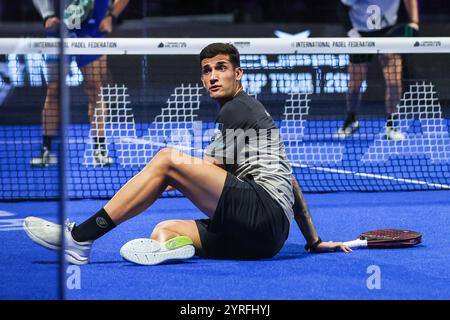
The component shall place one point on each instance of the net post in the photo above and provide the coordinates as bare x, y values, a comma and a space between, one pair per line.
63, 98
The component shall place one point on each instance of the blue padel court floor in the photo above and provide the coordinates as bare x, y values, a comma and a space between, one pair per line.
30, 272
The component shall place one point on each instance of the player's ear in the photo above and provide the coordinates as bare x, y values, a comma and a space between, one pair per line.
203, 82
239, 73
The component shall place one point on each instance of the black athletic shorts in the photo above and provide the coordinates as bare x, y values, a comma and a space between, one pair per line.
399, 30
248, 223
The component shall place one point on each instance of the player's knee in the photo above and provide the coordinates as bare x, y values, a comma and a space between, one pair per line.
167, 155
167, 226
161, 161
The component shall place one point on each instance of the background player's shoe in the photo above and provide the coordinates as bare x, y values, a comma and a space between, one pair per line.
101, 158
347, 130
150, 252
48, 235
45, 159
393, 134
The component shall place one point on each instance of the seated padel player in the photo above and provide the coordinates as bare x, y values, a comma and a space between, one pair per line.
244, 185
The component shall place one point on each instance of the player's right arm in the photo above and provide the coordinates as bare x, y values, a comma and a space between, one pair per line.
46, 9
302, 215
304, 221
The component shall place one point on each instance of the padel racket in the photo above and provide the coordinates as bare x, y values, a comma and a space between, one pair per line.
402, 30
386, 238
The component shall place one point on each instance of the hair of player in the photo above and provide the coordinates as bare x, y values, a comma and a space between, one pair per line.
217, 48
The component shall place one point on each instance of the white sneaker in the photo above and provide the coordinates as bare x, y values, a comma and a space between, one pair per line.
394, 134
150, 252
101, 158
45, 159
347, 130
48, 235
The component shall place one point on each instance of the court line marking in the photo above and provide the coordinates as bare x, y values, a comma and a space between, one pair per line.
372, 175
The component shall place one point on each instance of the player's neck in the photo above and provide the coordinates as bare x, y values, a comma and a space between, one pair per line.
222, 101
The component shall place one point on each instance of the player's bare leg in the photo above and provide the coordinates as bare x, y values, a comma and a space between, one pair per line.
50, 123
200, 181
94, 75
357, 75
392, 71
170, 229
50, 114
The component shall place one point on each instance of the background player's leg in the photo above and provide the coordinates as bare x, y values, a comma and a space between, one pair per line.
198, 180
357, 74
50, 119
50, 113
95, 74
392, 71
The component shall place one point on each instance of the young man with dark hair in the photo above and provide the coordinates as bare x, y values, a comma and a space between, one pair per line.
244, 185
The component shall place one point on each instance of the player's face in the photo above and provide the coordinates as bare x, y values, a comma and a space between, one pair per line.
220, 78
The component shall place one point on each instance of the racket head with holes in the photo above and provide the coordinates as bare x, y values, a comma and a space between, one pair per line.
391, 238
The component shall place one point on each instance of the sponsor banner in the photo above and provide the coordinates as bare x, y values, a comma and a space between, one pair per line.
186, 46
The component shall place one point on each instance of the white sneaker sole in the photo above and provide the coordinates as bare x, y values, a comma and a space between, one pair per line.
71, 256
148, 252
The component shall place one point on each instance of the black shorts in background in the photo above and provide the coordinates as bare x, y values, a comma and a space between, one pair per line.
398, 30
248, 223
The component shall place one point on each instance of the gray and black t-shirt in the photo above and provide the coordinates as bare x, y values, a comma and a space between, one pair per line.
249, 144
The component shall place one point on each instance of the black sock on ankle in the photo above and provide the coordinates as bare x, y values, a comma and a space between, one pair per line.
390, 121
351, 117
94, 227
47, 142
99, 142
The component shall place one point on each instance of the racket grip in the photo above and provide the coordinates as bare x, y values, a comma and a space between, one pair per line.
358, 243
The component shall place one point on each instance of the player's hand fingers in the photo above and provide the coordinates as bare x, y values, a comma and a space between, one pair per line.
52, 23
346, 249
105, 26
342, 247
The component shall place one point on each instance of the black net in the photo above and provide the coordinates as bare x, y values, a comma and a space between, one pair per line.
350, 121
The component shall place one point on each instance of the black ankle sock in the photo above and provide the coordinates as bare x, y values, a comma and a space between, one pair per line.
99, 142
390, 121
351, 117
94, 227
47, 142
